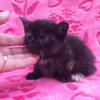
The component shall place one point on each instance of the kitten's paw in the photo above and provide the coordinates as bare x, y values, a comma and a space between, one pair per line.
77, 77
33, 76
30, 76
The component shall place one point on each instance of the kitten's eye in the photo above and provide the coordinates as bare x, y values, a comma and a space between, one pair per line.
30, 36
44, 38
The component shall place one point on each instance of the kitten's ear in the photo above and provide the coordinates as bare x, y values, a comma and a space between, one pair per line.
63, 27
26, 23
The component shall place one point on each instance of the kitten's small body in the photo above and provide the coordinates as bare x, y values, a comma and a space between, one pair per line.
61, 56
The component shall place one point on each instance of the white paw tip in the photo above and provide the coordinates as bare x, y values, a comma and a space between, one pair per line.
77, 77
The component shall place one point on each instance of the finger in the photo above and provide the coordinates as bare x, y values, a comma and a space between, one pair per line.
13, 51
2, 62
9, 40
18, 62
16, 51
4, 16
20, 56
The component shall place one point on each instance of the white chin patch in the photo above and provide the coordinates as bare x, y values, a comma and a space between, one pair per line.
77, 77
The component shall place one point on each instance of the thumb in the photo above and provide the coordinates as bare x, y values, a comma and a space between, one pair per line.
4, 16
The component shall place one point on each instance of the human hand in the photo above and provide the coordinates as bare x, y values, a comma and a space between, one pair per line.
12, 58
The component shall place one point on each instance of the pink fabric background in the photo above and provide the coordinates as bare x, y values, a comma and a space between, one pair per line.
84, 19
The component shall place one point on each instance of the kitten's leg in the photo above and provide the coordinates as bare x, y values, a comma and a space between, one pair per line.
83, 72
65, 74
33, 76
36, 74
63, 77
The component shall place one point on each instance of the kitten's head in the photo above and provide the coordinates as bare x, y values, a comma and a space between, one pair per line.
44, 35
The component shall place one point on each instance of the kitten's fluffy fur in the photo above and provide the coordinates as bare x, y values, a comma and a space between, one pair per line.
60, 55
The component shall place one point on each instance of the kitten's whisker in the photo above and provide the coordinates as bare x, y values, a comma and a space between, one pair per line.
41, 54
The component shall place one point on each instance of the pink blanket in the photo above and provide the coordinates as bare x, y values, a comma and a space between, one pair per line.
84, 19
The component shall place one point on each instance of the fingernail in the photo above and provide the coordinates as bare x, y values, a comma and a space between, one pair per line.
5, 13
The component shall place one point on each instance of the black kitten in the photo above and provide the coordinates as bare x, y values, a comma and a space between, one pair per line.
61, 56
